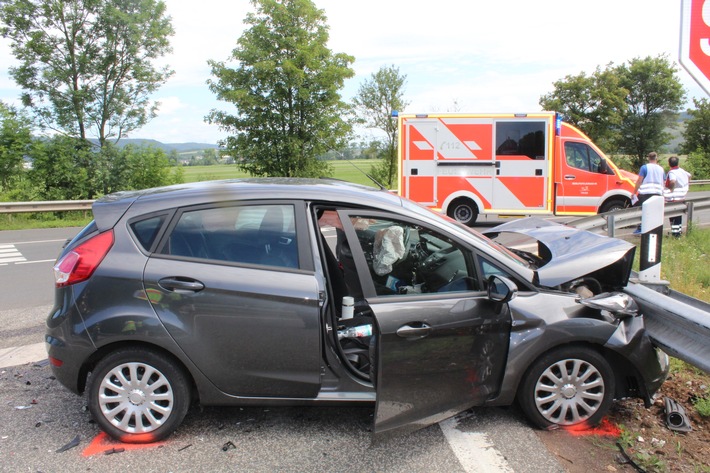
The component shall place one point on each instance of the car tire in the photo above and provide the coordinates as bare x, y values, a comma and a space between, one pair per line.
138, 395
567, 387
464, 211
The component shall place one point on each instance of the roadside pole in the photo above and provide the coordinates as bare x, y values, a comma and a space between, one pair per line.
651, 239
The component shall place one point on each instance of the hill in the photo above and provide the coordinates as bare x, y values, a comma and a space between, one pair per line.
167, 147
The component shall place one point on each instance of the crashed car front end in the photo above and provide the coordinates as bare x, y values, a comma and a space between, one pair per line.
566, 258
553, 319
580, 276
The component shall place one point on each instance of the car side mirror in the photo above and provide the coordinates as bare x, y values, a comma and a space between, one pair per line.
501, 289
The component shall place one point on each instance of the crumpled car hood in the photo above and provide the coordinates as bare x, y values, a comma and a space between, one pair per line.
569, 253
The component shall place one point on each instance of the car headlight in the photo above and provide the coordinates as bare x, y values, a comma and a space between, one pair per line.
618, 304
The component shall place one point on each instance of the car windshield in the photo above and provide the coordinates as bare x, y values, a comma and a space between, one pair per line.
451, 223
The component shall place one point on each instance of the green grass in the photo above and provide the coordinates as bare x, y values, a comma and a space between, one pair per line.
25, 221
344, 170
686, 263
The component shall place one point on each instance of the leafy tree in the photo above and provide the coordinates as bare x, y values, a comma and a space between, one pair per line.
88, 64
15, 143
655, 96
149, 167
58, 171
376, 99
697, 139
594, 104
286, 92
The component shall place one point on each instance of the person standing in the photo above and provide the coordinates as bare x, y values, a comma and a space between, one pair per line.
650, 182
677, 185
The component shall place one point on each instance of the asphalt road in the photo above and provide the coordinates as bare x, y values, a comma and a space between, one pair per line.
38, 416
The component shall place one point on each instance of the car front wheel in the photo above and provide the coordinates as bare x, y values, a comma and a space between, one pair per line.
572, 386
138, 395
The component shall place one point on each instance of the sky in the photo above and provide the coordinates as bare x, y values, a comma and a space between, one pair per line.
457, 55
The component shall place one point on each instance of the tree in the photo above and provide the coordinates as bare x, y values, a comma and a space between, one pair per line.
594, 104
286, 92
88, 64
58, 169
15, 143
655, 96
697, 139
376, 99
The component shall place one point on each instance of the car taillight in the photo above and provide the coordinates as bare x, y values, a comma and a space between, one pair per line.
81, 262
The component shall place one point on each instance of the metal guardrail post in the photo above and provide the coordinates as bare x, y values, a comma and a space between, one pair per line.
611, 225
689, 206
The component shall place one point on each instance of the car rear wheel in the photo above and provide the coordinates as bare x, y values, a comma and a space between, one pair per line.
138, 395
572, 386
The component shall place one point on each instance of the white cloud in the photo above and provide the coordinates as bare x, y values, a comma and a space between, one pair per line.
488, 56
169, 105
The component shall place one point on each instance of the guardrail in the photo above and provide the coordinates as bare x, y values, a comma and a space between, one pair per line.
45, 206
611, 221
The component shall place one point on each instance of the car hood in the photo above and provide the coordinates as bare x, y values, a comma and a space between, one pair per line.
565, 253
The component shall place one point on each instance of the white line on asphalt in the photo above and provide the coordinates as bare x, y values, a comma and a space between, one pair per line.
38, 261
474, 450
36, 241
10, 254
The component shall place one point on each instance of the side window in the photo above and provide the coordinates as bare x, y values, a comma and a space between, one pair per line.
576, 155
410, 259
255, 234
146, 230
489, 269
524, 138
582, 156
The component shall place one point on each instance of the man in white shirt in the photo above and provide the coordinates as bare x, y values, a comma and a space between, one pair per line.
677, 185
650, 182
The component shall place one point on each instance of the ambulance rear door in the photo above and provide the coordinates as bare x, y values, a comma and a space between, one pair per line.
523, 146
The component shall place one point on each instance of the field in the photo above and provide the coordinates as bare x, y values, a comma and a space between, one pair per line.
344, 170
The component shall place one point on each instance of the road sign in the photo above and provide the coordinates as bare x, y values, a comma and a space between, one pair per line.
695, 40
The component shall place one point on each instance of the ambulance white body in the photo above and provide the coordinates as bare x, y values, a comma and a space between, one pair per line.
506, 164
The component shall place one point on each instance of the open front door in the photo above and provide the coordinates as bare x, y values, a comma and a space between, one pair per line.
441, 342
443, 357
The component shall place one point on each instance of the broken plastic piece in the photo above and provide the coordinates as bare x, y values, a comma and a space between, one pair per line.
114, 450
675, 416
71, 444
227, 446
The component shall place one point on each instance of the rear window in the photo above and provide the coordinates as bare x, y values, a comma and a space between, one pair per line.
147, 230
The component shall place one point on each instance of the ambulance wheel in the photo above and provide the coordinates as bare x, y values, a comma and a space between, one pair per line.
613, 205
464, 211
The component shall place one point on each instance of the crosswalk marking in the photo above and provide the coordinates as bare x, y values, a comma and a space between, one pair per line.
10, 254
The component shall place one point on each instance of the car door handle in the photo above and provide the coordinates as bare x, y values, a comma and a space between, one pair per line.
181, 285
419, 331
570, 177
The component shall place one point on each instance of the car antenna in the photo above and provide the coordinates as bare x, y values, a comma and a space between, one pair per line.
377, 183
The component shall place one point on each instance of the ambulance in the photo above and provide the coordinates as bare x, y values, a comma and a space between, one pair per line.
506, 164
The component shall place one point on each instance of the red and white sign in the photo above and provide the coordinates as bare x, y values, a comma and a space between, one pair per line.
695, 41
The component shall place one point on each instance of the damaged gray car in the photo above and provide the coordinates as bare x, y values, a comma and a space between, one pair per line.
320, 292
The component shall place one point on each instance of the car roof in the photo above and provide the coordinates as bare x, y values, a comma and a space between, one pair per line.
109, 209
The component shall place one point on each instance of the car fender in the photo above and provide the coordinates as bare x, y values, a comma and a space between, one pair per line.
564, 323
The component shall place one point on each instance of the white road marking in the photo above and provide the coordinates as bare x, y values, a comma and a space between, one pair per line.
10, 254
36, 241
38, 261
474, 450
